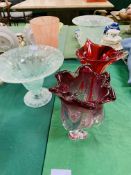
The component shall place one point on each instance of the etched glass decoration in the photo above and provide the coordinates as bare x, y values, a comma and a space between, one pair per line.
29, 65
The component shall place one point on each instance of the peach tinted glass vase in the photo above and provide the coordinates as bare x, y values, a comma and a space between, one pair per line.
45, 30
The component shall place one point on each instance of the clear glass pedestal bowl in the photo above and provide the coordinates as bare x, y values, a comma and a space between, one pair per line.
29, 65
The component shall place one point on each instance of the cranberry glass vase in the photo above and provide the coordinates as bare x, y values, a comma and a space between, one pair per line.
82, 95
99, 57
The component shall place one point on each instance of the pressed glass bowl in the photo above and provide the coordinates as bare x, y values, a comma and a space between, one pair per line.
29, 65
91, 27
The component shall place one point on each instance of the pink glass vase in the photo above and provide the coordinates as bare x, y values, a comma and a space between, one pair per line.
82, 95
99, 57
45, 30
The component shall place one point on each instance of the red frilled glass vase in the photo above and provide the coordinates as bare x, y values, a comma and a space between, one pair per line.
82, 95
99, 57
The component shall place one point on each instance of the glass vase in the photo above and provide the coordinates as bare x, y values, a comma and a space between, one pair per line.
82, 95
45, 30
75, 118
91, 26
99, 57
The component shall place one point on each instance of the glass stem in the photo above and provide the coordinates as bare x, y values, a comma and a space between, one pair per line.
35, 87
37, 93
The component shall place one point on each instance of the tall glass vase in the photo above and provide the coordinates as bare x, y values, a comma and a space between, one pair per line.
82, 95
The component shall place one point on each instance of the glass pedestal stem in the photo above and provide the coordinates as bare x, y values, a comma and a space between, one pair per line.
36, 96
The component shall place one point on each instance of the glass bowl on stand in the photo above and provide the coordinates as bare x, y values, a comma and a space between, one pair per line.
29, 65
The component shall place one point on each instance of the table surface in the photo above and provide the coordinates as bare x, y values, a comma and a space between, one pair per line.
58, 4
107, 150
24, 131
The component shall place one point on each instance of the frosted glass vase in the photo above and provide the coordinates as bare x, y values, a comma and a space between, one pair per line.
91, 27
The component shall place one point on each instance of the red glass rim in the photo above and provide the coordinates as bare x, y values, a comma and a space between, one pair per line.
69, 85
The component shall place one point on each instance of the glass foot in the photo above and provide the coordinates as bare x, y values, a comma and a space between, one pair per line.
78, 135
98, 120
36, 101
